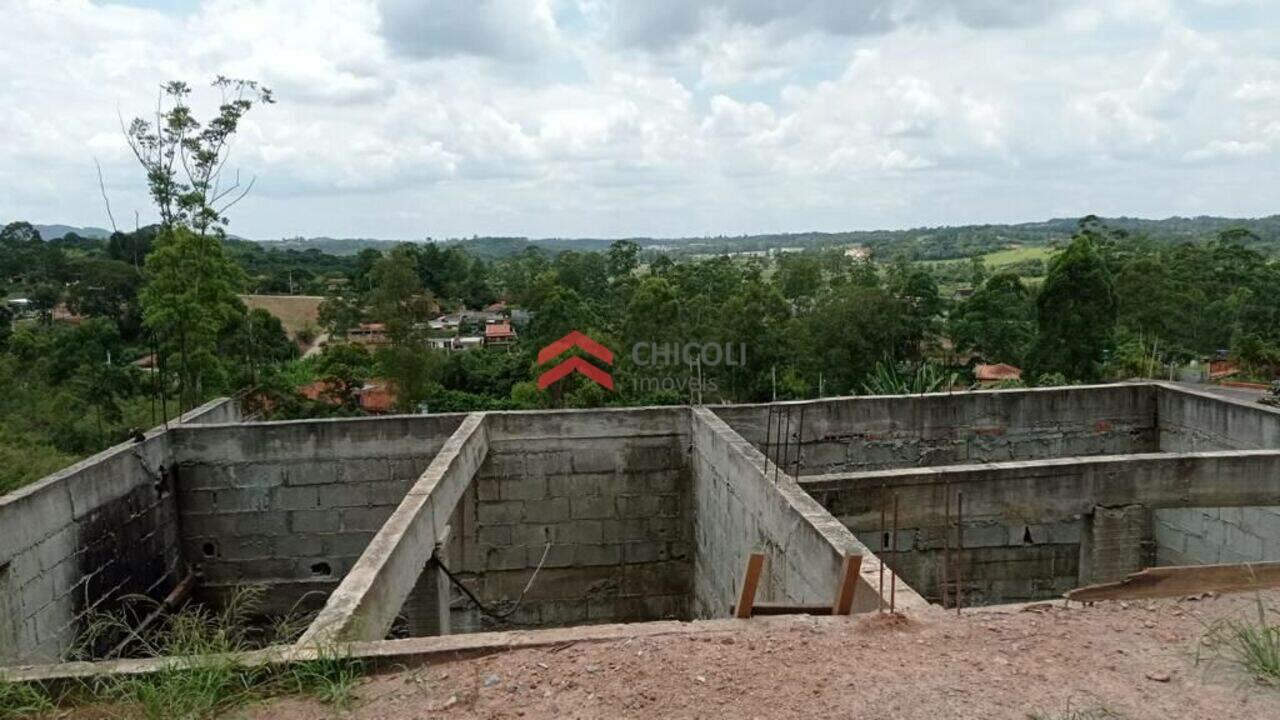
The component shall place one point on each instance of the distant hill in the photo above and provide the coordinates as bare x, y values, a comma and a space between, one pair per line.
922, 243
53, 232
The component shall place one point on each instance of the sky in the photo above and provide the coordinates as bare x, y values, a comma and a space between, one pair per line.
409, 119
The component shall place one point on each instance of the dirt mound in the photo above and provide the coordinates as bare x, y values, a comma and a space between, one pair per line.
1131, 660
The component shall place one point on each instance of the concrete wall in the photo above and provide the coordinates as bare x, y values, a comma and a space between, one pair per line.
1031, 527
608, 489
80, 540
216, 411
865, 433
292, 505
1191, 421
366, 604
739, 509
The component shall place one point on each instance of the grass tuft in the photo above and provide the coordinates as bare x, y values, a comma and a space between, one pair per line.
1254, 645
331, 677
23, 700
202, 680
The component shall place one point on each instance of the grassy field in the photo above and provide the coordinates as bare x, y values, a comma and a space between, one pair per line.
1009, 256
295, 311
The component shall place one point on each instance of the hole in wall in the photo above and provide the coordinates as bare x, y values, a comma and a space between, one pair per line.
321, 569
884, 541
209, 549
1026, 536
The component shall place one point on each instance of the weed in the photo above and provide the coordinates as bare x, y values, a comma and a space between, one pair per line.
331, 677
1253, 645
23, 700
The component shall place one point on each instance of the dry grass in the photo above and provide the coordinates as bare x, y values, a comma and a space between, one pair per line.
295, 311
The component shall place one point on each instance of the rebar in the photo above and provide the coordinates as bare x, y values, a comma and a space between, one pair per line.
959, 550
893, 574
883, 546
768, 437
799, 445
946, 542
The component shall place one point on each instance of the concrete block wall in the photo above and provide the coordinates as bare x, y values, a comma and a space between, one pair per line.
738, 509
1001, 563
291, 505
868, 433
80, 540
1207, 536
608, 489
1193, 421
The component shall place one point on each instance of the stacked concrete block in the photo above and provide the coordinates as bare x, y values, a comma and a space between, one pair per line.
80, 542
870, 433
1193, 421
292, 505
598, 499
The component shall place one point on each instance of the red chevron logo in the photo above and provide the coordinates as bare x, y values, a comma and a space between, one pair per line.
575, 363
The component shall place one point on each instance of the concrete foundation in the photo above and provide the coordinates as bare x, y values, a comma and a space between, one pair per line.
639, 514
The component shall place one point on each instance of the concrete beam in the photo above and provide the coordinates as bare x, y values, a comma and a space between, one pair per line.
1046, 491
367, 601
804, 544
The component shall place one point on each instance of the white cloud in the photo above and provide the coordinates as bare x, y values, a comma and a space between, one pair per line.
596, 117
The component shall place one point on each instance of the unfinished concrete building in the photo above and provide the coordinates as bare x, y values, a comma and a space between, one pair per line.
409, 525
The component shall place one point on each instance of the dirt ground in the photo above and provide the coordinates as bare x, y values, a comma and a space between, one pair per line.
1140, 659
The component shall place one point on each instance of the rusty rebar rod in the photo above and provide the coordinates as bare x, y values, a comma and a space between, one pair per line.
946, 542
786, 446
893, 574
884, 543
777, 442
799, 444
768, 437
959, 551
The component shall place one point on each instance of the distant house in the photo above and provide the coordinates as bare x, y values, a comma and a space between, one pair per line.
369, 334
499, 333
377, 396
497, 308
996, 374
1222, 368
61, 313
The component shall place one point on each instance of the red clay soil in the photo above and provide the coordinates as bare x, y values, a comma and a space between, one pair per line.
1134, 660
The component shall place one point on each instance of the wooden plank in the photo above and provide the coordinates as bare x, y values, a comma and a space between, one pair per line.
1178, 580
750, 581
843, 604
784, 608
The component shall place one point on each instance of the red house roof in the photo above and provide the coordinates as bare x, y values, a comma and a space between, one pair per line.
997, 372
499, 330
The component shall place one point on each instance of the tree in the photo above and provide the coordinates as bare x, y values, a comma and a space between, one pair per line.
1077, 313
6, 325
176, 140
624, 258
189, 298
344, 367
997, 322
397, 298
190, 293
337, 314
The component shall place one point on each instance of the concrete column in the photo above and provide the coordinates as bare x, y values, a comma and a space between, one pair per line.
1116, 541
426, 610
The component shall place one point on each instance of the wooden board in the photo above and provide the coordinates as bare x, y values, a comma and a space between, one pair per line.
1183, 580
750, 581
843, 603
781, 608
